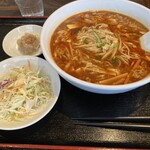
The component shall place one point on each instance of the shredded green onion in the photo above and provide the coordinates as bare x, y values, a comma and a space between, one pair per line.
98, 39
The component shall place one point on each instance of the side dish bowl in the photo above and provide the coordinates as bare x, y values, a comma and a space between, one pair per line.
46, 71
10, 45
128, 8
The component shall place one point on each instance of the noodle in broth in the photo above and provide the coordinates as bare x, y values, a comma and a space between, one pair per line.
101, 47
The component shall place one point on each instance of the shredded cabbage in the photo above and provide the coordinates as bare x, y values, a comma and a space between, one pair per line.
23, 92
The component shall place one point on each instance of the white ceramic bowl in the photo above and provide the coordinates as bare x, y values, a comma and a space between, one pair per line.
10, 40
128, 8
46, 69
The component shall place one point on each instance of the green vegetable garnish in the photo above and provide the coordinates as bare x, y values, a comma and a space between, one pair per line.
115, 61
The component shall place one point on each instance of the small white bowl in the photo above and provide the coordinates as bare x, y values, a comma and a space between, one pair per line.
125, 7
45, 68
10, 40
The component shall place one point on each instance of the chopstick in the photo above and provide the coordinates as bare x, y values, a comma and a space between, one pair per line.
120, 119
110, 125
134, 123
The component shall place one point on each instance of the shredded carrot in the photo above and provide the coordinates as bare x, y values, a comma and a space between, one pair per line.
134, 67
136, 64
120, 81
147, 58
113, 79
71, 49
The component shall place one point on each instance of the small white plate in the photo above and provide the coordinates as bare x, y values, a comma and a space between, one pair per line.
10, 40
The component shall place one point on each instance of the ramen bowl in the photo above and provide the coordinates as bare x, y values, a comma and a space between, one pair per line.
125, 7
26, 104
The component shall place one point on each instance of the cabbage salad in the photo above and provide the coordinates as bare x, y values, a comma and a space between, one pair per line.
23, 92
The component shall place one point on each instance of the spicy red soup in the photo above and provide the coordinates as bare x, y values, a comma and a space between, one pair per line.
101, 47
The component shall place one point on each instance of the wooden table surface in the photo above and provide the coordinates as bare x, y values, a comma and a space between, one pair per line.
9, 8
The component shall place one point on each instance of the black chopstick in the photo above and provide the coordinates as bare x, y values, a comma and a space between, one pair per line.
115, 125
116, 119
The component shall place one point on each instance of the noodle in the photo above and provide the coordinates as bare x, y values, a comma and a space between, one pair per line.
101, 47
